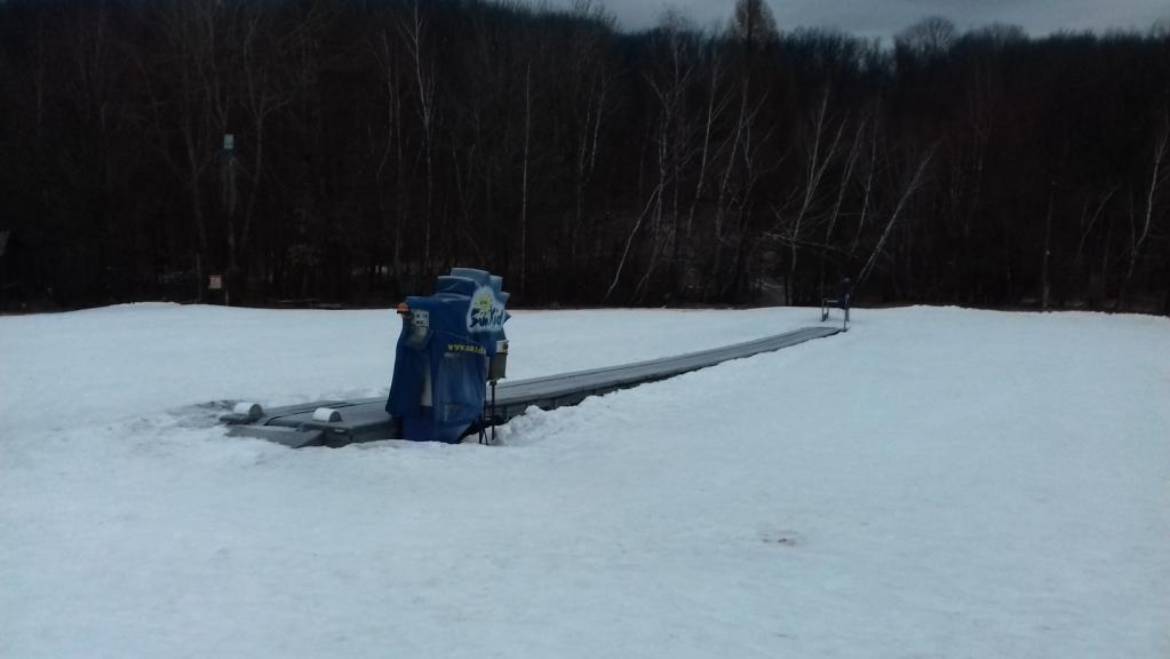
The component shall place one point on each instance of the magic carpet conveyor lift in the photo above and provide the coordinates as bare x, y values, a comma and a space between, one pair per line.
451, 351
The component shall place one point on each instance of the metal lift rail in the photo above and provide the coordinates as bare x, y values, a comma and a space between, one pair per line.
336, 423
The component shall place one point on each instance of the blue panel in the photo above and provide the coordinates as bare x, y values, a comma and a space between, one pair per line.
441, 360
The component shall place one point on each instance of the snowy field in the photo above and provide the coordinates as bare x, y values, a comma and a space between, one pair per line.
936, 483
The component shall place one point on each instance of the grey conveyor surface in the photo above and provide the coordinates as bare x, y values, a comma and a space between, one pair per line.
366, 419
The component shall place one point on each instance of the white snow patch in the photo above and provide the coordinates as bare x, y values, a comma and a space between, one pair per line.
936, 482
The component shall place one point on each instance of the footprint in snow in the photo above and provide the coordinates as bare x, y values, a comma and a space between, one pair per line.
782, 538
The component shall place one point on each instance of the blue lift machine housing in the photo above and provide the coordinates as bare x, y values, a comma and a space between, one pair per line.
441, 364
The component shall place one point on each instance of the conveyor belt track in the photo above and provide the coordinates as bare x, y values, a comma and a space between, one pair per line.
366, 419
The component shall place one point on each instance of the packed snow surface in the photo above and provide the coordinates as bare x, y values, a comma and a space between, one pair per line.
937, 482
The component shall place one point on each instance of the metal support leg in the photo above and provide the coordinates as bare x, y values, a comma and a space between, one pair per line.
483, 419
493, 419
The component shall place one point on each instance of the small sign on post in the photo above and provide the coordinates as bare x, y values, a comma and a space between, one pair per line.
215, 283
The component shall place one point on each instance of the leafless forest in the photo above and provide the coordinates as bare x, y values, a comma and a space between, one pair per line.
376, 144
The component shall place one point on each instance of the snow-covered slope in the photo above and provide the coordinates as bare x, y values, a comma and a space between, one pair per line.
937, 482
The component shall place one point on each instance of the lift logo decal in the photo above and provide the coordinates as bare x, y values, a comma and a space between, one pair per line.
486, 313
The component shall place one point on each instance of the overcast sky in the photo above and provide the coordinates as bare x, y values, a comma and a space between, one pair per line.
882, 18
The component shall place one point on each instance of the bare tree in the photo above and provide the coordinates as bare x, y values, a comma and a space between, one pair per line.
592, 81
391, 73
413, 29
654, 194
843, 187
203, 99
899, 209
263, 93
932, 35
753, 25
669, 138
867, 187
524, 178
1140, 228
822, 144
716, 105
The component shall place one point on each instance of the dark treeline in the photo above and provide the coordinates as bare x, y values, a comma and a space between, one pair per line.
378, 143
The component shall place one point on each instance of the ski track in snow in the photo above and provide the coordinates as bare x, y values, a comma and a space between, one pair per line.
936, 482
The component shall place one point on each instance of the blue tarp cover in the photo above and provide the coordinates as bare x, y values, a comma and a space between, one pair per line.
444, 347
